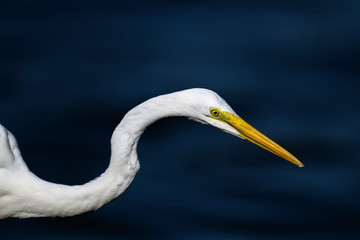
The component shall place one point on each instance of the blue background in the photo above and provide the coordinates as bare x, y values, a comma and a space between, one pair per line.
70, 70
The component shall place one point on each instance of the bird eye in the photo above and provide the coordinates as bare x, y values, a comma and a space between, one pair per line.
215, 112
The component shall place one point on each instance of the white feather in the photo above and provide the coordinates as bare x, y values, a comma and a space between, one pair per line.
22, 194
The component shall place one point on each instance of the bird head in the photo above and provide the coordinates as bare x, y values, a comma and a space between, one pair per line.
210, 108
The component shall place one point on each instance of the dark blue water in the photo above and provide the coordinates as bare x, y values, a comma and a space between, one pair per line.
70, 71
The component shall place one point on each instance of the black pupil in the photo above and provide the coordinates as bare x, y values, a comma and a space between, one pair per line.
215, 113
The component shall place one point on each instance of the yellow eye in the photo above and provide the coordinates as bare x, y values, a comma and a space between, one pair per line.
215, 112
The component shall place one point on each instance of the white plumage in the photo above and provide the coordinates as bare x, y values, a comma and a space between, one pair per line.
22, 194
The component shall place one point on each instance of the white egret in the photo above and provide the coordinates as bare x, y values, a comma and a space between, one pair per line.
22, 194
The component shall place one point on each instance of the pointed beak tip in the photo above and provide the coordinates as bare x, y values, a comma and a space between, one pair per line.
246, 131
295, 161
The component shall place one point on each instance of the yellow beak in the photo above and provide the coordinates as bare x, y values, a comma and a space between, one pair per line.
250, 133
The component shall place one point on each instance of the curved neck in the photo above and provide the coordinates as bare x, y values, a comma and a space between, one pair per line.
50, 199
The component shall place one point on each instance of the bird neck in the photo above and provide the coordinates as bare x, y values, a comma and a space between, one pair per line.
126, 135
50, 199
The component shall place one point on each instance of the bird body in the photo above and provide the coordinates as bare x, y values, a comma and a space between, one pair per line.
23, 194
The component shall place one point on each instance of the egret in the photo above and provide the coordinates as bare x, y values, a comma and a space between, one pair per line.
23, 194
